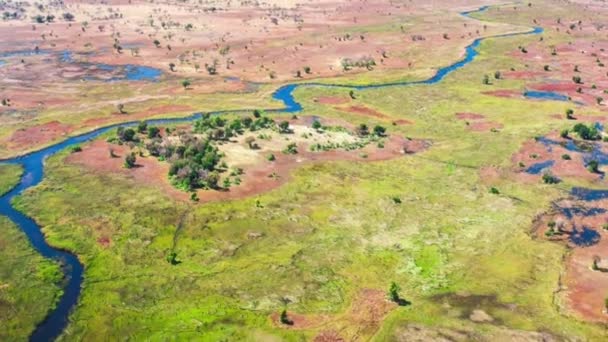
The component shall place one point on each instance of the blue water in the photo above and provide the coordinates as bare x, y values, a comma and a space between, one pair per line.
586, 237
585, 194
571, 212
545, 95
33, 164
537, 168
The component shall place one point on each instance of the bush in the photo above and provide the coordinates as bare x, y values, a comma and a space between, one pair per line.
292, 148
550, 179
494, 191
75, 149
130, 160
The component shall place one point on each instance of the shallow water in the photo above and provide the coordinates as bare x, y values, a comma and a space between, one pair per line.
537, 168
545, 95
585, 238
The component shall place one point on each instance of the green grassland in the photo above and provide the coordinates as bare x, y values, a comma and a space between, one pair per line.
9, 177
331, 231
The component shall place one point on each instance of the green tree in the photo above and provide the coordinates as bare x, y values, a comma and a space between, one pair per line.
130, 160
316, 124
379, 130
142, 127
153, 132
186, 83
393, 292
285, 319
284, 126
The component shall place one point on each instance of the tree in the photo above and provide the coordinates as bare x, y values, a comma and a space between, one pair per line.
352, 95
497, 75
172, 66
68, 16
577, 79
569, 114
156, 43
212, 179
564, 134
121, 108
316, 124
593, 166
186, 83
546, 68
142, 127
362, 130
307, 69
257, 113
393, 292
284, 126
486, 80
285, 319
379, 130
130, 161
153, 132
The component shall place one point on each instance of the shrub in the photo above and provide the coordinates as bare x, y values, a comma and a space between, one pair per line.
75, 149
550, 179
130, 160
494, 191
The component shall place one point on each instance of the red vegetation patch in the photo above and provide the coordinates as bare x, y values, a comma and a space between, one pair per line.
329, 336
484, 126
402, 122
36, 135
96, 157
503, 93
469, 116
364, 111
333, 100
584, 289
104, 241
367, 311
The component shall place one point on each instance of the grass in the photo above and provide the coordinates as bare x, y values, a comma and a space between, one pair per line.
9, 177
29, 284
331, 231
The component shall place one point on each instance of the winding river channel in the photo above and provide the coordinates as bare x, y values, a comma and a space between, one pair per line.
33, 165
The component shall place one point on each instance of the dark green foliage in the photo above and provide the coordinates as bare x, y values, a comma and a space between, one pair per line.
75, 149
363, 130
257, 113
130, 160
379, 130
153, 132
569, 114
564, 133
586, 132
566, 157
494, 191
593, 166
396, 199
393, 295
284, 127
172, 259
550, 179
316, 124
271, 157
284, 319
292, 148
142, 127
577, 79
125, 134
